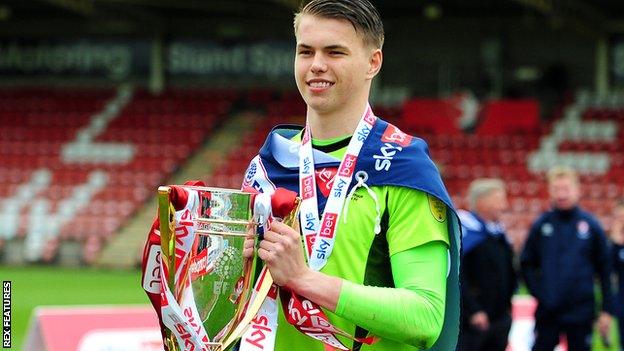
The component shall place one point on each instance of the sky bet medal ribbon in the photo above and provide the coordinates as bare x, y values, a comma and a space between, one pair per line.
206, 298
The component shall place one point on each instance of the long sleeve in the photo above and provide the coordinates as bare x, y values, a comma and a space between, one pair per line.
530, 262
413, 311
471, 303
602, 262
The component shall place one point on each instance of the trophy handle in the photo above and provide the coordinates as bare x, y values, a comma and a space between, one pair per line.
166, 220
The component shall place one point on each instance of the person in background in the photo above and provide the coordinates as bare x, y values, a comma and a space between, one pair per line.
617, 237
566, 249
488, 278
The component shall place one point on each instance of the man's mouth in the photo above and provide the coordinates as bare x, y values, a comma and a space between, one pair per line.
319, 84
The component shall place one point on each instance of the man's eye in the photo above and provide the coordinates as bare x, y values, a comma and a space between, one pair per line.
305, 52
336, 53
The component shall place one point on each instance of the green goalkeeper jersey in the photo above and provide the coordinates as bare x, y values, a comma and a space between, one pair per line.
409, 220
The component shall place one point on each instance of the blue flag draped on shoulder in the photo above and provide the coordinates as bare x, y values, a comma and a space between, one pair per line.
388, 157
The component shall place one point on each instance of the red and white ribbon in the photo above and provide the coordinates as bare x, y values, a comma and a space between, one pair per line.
183, 318
263, 328
320, 235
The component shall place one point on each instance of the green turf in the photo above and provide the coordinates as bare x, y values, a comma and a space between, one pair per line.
39, 286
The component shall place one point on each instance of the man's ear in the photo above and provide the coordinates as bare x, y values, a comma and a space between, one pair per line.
376, 58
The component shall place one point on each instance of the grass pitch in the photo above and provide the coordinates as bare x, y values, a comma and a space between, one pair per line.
54, 286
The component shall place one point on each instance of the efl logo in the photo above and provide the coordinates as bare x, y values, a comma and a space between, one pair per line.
393, 134
329, 225
347, 167
310, 238
307, 188
6, 314
325, 179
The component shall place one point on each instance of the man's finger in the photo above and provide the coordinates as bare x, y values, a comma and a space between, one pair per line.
283, 229
248, 252
266, 245
264, 254
272, 236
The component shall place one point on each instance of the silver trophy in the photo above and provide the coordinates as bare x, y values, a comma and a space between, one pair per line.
221, 280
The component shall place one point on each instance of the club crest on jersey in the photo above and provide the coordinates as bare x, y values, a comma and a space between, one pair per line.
547, 229
582, 230
329, 225
393, 134
347, 167
384, 161
307, 187
437, 208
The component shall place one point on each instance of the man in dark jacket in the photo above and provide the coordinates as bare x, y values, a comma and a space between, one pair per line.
488, 278
565, 250
617, 237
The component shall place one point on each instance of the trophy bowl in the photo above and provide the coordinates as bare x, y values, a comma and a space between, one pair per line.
219, 274
212, 276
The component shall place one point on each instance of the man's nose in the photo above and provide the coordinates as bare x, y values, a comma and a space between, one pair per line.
318, 64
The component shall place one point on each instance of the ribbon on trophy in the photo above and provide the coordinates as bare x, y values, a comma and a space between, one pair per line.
172, 316
178, 309
193, 268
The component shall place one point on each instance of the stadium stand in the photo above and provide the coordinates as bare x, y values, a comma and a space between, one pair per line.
76, 164
510, 143
274, 108
503, 144
80, 163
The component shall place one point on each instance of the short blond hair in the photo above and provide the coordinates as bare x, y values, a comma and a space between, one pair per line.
482, 187
557, 172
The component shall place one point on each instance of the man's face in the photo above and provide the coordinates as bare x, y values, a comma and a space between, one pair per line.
493, 204
332, 63
564, 193
618, 213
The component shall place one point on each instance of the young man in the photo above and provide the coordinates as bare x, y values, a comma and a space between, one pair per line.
565, 250
379, 231
488, 278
